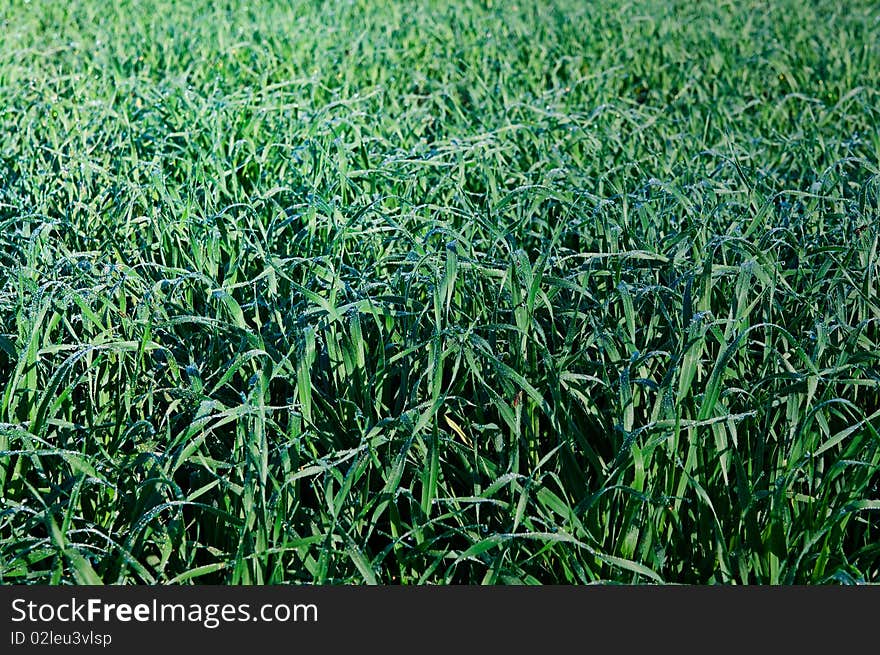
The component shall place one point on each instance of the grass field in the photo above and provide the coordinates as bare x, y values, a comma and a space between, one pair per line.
439, 292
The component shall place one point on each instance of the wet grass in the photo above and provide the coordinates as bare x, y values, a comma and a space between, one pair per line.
544, 292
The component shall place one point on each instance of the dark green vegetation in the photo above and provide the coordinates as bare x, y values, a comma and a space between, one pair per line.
439, 292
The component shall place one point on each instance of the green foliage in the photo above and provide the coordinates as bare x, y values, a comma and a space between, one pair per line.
439, 292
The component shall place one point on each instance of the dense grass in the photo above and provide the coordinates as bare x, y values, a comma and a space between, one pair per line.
439, 292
